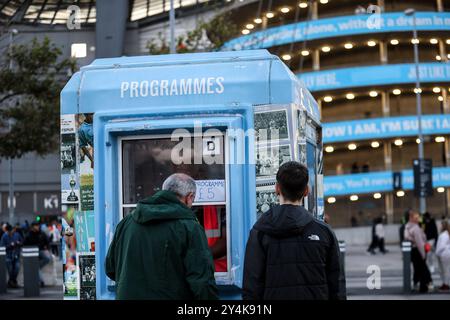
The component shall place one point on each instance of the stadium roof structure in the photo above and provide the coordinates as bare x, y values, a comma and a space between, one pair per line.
58, 11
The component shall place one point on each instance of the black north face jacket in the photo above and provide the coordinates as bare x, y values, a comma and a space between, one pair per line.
291, 255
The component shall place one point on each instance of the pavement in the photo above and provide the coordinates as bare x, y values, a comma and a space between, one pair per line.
360, 266
52, 275
46, 293
357, 262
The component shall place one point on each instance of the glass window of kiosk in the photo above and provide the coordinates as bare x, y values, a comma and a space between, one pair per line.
146, 161
311, 164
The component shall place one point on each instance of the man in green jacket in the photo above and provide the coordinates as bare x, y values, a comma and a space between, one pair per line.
160, 250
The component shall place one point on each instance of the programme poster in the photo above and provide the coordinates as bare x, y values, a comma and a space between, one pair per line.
87, 276
70, 272
84, 222
271, 125
86, 156
266, 198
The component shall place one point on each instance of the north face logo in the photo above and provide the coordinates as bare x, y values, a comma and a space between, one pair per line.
314, 237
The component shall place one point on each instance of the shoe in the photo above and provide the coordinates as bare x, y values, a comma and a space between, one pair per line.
42, 284
423, 290
444, 287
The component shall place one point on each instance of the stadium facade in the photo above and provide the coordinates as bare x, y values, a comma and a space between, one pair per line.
356, 57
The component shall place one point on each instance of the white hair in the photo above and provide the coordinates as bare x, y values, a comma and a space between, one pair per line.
179, 183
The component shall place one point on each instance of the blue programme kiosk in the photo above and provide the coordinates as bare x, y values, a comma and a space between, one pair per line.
228, 119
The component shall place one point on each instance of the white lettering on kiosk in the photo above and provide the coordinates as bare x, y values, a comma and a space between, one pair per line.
174, 87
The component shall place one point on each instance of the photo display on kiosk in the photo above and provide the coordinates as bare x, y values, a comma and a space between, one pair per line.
146, 161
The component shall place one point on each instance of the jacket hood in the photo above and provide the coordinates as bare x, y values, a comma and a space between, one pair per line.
411, 226
163, 205
284, 221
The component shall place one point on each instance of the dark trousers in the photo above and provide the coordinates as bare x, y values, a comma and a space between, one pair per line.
421, 273
13, 266
376, 243
373, 244
381, 245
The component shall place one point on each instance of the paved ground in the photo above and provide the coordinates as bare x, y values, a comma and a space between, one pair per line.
390, 265
46, 293
52, 275
357, 261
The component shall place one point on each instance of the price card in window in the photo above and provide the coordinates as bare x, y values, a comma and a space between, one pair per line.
210, 191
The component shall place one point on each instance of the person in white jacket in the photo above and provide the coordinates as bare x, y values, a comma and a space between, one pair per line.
443, 254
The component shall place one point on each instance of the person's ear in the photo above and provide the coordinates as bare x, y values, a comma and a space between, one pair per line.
277, 189
305, 194
189, 199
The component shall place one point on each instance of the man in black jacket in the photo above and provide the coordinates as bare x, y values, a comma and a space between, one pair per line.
37, 238
290, 254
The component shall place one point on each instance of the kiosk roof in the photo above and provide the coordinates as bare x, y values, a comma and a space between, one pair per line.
252, 77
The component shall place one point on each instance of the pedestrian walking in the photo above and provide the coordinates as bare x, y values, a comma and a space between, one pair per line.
403, 222
289, 253
432, 234
55, 239
417, 237
160, 251
374, 243
443, 255
12, 241
379, 233
39, 239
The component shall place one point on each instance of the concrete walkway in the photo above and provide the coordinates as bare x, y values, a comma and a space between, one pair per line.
52, 276
46, 293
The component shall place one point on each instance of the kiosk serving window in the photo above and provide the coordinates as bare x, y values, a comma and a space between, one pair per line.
146, 161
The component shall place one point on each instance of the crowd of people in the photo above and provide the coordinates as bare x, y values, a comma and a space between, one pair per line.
289, 254
428, 245
47, 237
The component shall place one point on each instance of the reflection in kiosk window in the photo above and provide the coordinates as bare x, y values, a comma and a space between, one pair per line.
147, 162
311, 164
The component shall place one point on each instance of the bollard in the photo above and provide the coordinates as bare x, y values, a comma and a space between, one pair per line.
2, 270
31, 280
406, 252
342, 255
342, 282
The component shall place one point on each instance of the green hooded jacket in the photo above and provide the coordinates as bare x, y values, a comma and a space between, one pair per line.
160, 251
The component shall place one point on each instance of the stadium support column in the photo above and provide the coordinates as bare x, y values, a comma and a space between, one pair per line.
265, 21
383, 52
440, 5
387, 149
110, 28
442, 51
315, 10
319, 104
380, 3
316, 59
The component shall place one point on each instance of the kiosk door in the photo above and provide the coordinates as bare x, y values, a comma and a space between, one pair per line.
146, 161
